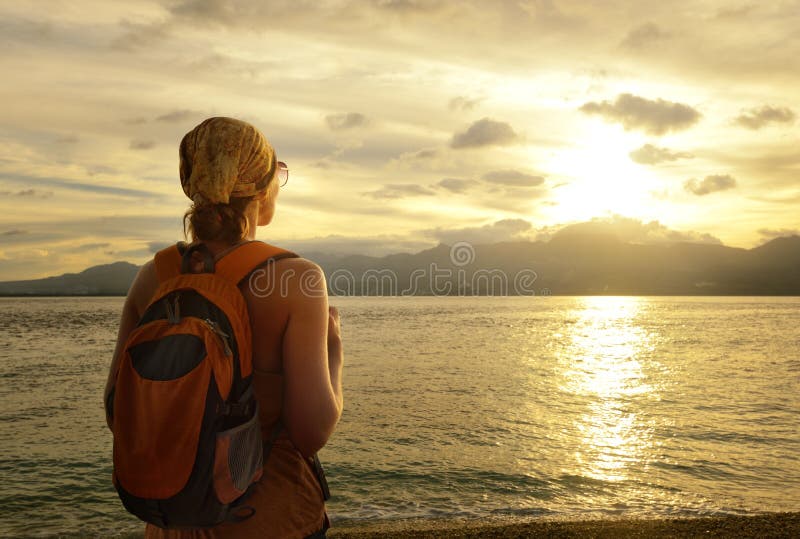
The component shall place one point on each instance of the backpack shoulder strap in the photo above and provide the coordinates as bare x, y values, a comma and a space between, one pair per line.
238, 264
168, 261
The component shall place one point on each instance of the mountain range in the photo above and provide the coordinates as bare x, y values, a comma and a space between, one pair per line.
568, 264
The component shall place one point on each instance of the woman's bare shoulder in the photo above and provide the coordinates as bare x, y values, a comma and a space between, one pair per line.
300, 264
284, 278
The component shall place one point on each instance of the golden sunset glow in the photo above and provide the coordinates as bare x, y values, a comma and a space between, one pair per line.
520, 119
605, 179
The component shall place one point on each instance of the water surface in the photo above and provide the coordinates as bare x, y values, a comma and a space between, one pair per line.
560, 406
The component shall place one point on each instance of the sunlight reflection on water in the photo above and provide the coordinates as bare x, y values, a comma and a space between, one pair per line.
601, 364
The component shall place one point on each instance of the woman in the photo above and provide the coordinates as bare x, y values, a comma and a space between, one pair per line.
230, 172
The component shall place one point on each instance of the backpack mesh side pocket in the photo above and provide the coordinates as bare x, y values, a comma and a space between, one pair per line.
238, 460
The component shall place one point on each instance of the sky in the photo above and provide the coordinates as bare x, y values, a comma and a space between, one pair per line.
405, 123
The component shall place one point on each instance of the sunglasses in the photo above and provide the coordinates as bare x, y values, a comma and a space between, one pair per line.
282, 173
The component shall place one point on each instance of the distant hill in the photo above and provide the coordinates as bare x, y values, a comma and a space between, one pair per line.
106, 280
569, 264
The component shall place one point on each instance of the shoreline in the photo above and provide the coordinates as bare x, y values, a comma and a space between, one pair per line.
766, 525
755, 526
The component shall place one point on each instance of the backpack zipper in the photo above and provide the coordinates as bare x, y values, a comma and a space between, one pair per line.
221, 335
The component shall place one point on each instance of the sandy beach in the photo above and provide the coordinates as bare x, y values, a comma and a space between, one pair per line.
771, 525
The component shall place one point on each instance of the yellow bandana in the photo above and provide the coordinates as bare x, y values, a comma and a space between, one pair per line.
223, 158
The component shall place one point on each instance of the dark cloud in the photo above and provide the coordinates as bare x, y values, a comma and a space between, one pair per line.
177, 116
13, 232
345, 120
513, 178
400, 190
759, 117
652, 155
484, 132
656, 117
37, 193
461, 103
61, 183
142, 145
710, 184
503, 230
644, 35
456, 185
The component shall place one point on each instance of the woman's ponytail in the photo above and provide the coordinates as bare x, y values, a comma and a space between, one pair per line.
225, 223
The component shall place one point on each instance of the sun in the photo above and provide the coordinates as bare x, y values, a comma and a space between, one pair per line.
597, 177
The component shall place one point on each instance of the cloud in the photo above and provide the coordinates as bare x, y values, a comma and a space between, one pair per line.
735, 12
463, 104
61, 183
756, 118
772, 233
345, 120
407, 6
503, 230
655, 117
138, 120
710, 184
142, 144
89, 247
213, 11
13, 232
400, 190
456, 185
94, 170
627, 230
513, 178
136, 35
156, 246
484, 132
423, 154
644, 35
38, 193
177, 116
652, 155
378, 245
67, 139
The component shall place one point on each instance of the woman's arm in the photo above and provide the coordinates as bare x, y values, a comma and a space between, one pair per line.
312, 362
335, 355
131, 312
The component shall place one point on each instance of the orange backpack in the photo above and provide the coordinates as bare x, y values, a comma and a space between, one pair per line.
187, 441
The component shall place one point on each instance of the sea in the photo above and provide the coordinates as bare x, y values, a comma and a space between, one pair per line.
512, 407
